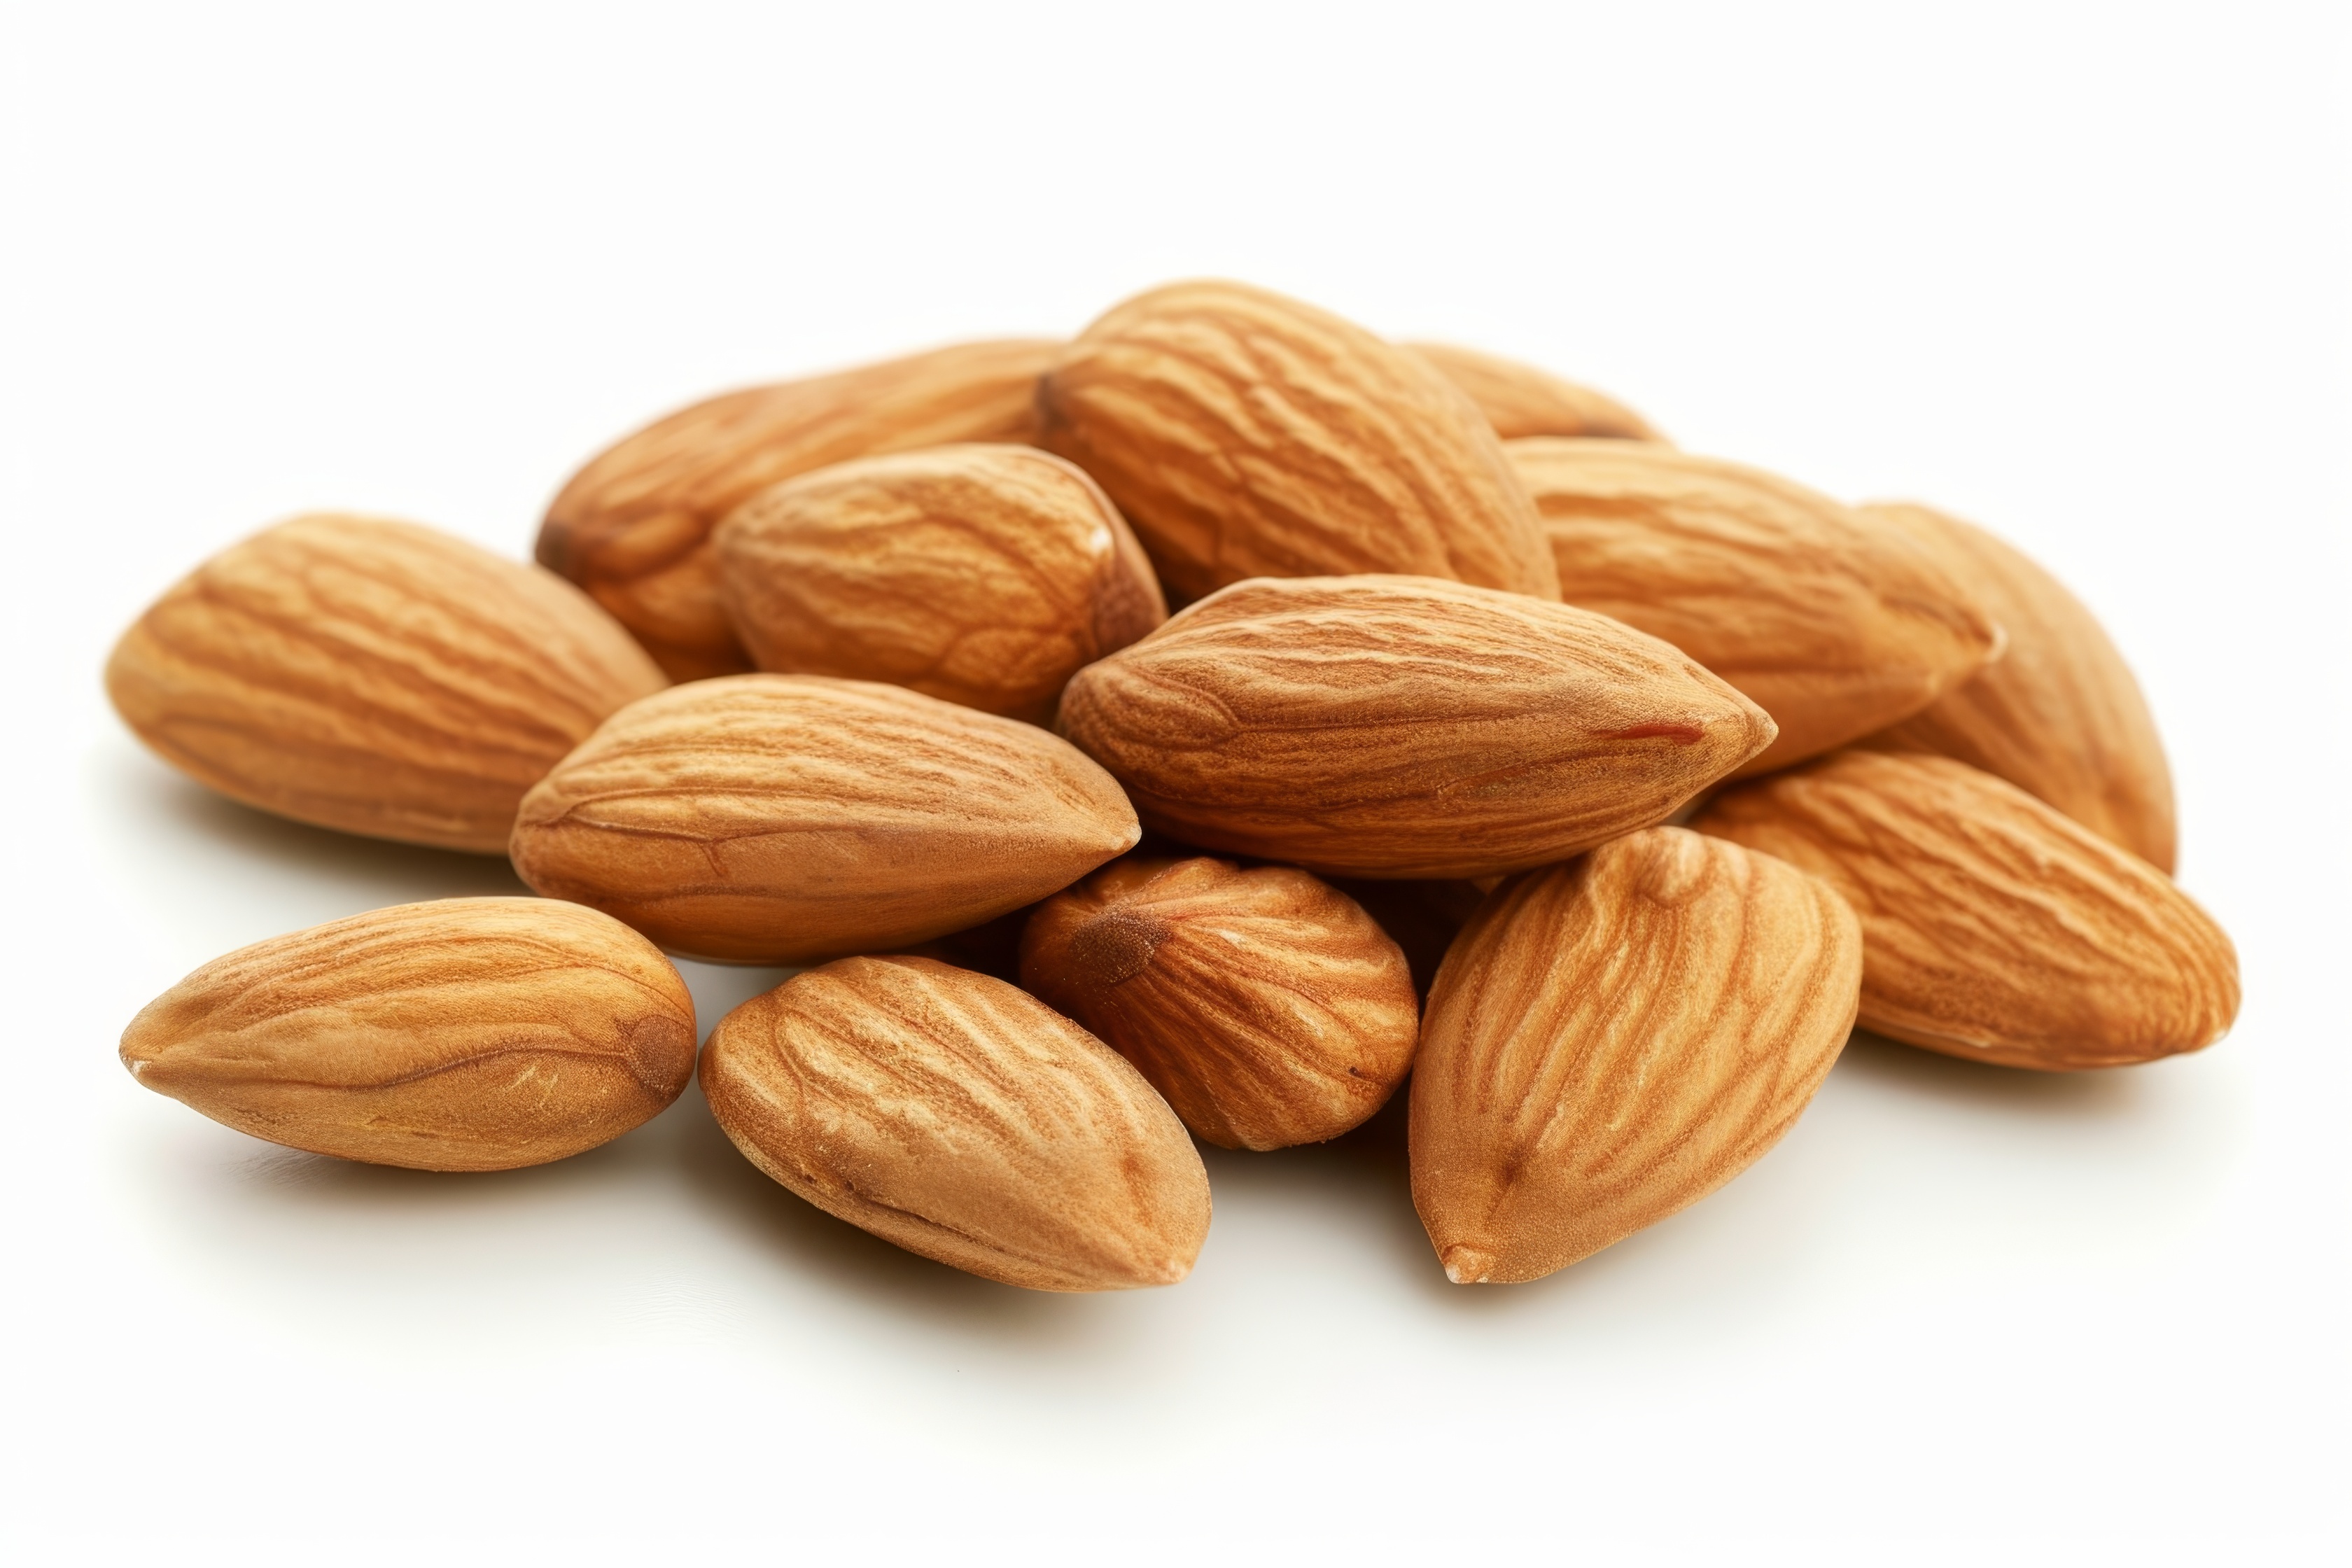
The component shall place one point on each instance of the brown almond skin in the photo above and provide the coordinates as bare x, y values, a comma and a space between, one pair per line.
2058, 714
962, 1119
375, 676
1404, 727
633, 526
1611, 1039
1834, 627
460, 1034
982, 575
791, 819
1245, 434
1997, 929
1518, 400
1266, 1006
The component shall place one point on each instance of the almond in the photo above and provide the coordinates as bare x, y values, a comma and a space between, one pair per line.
1421, 918
1997, 929
963, 1119
1404, 727
1520, 400
1613, 1039
375, 677
462, 1035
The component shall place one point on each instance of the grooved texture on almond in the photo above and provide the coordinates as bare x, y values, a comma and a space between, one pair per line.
375, 677
1997, 928
1611, 1039
1266, 1006
1404, 727
788, 818
982, 575
461, 1034
633, 526
1245, 434
1519, 400
962, 1119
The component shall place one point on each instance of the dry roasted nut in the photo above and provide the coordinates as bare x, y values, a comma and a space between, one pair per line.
1404, 727
1997, 929
1421, 918
1835, 627
1245, 434
1268, 1008
462, 1035
376, 677
1520, 400
1613, 1039
983, 574
962, 1119
633, 526
787, 818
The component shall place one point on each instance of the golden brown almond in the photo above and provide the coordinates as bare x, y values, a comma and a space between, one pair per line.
1268, 1008
1245, 434
1613, 1039
1421, 918
1404, 727
375, 677
1997, 929
461, 1034
1519, 400
983, 575
962, 1119
788, 818
633, 526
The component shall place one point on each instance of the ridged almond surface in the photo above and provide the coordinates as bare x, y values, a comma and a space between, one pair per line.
375, 677
1404, 727
462, 1035
983, 575
1519, 400
1834, 627
788, 818
1613, 1039
964, 1119
1997, 929
633, 526
1245, 434
1266, 1006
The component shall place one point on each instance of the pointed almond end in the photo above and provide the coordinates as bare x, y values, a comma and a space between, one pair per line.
1467, 1265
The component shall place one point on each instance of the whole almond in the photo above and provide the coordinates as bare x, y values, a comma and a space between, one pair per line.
1404, 727
1519, 400
1267, 1007
1997, 929
375, 677
461, 1034
1245, 434
788, 818
1613, 1039
963, 1119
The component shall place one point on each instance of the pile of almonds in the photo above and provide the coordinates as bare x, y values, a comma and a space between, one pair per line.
876, 672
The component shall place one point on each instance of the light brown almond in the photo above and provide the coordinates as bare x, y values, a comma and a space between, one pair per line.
1519, 400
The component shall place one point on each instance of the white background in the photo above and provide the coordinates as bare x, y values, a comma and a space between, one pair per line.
2082, 274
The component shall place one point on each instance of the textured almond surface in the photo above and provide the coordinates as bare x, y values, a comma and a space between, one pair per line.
964, 1119
1834, 627
1245, 434
633, 526
462, 1035
1613, 1039
1266, 1006
375, 676
983, 575
1997, 928
1520, 400
1404, 726
787, 818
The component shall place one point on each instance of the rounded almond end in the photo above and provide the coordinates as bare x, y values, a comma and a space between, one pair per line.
1467, 1265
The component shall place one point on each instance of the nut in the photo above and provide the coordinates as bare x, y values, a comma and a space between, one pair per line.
1520, 400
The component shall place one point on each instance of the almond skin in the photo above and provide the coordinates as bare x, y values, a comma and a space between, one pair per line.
1245, 434
1611, 1039
1519, 400
963, 1119
375, 676
633, 526
1266, 1006
1997, 930
789, 818
982, 575
1404, 727
1834, 627
461, 1034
